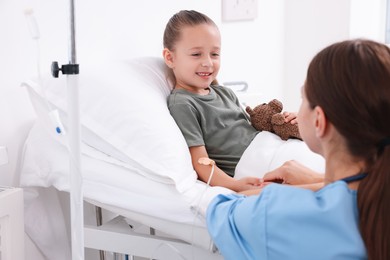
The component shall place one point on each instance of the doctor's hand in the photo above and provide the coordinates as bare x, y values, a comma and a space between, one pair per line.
294, 173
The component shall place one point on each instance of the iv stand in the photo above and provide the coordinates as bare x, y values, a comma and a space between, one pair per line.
76, 193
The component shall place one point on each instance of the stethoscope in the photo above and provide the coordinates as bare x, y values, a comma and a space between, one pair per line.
353, 178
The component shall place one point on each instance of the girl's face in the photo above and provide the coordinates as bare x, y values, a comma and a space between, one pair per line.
307, 123
195, 60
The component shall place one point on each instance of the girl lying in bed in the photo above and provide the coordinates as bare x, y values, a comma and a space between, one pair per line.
209, 115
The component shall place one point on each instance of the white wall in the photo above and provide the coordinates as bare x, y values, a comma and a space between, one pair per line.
312, 25
309, 26
368, 19
253, 50
13, 100
271, 53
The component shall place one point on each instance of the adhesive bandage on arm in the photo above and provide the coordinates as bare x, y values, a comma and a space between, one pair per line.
207, 161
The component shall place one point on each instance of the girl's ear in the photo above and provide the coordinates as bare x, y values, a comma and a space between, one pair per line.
321, 122
168, 57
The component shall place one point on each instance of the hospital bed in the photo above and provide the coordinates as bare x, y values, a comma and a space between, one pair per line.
135, 166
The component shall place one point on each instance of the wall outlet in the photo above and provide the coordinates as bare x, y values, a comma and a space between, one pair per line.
236, 10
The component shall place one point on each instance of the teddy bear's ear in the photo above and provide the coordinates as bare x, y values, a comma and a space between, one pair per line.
276, 105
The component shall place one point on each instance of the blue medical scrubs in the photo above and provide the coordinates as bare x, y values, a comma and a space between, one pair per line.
285, 222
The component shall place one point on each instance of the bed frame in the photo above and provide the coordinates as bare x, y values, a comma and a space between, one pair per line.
120, 237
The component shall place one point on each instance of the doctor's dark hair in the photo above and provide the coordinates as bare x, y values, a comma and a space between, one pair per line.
350, 81
179, 20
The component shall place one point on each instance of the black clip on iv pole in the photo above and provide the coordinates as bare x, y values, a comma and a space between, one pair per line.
67, 69
72, 68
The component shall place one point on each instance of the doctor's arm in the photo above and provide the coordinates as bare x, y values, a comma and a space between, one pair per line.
294, 173
291, 173
219, 178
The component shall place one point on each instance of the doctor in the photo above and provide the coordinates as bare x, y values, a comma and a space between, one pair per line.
344, 116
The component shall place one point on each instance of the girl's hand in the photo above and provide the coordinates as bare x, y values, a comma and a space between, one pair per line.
247, 183
290, 117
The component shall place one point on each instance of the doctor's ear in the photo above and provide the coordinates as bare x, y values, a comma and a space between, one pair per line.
168, 57
321, 122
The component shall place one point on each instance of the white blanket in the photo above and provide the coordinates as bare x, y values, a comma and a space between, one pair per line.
268, 152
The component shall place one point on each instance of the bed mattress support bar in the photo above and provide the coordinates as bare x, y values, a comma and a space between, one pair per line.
117, 236
99, 222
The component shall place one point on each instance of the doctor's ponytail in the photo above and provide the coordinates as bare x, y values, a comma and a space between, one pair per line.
374, 207
350, 81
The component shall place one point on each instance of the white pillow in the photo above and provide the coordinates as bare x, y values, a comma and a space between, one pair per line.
124, 114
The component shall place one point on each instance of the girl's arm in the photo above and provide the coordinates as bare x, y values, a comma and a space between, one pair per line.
311, 186
219, 178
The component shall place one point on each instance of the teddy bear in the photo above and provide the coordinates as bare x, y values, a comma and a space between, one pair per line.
268, 117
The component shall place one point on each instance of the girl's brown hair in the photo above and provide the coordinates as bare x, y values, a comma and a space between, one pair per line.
179, 20
350, 80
